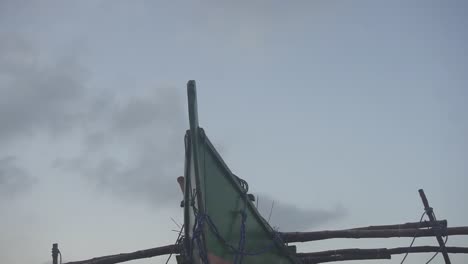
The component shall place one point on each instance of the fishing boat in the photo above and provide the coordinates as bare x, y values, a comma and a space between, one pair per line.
223, 226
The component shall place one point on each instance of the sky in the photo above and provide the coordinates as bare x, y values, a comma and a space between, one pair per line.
335, 112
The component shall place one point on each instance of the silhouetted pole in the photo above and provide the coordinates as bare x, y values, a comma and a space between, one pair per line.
430, 214
55, 252
363, 254
383, 251
424, 224
123, 257
291, 237
333, 258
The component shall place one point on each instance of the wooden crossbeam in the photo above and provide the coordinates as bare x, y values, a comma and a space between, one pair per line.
291, 237
118, 258
423, 224
384, 251
375, 253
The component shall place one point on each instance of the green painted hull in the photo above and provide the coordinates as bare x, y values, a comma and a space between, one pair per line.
215, 200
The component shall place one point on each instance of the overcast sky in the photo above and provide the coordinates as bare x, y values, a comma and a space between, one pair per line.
339, 111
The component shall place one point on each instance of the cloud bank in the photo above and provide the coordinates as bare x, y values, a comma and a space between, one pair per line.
129, 144
14, 180
288, 217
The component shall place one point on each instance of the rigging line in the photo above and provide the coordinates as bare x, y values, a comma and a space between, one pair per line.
412, 242
212, 227
438, 251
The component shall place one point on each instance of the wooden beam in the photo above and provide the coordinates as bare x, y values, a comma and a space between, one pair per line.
290, 237
426, 249
363, 254
123, 257
384, 251
322, 259
423, 224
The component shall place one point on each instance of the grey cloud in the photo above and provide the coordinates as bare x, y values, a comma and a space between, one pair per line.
132, 144
35, 94
288, 217
134, 147
163, 106
13, 179
150, 179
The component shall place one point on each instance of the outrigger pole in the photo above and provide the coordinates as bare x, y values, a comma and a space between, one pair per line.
291, 237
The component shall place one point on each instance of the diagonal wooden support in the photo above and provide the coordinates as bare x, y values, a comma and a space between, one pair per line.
430, 214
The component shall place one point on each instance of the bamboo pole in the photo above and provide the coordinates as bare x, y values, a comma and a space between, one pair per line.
423, 224
426, 249
146, 253
290, 237
384, 251
322, 259
363, 254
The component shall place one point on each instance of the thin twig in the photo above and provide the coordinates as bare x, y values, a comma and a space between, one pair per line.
271, 210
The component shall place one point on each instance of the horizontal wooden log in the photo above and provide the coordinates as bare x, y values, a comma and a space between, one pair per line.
322, 259
384, 251
363, 254
123, 257
427, 249
423, 224
290, 237
348, 251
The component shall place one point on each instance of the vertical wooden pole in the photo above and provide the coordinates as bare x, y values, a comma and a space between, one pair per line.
430, 214
55, 252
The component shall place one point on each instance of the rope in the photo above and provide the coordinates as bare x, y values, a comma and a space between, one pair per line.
438, 229
438, 251
197, 237
412, 242
233, 249
202, 218
240, 247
